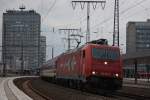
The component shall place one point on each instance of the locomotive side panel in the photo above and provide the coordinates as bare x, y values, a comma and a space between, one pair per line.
69, 66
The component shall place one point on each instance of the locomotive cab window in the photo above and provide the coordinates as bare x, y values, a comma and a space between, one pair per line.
98, 53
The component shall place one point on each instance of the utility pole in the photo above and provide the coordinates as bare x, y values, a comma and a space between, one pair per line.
135, 75
94, 3
116, 24
52, 52
68, 32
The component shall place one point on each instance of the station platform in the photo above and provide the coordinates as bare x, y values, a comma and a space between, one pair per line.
8, 91
141, 83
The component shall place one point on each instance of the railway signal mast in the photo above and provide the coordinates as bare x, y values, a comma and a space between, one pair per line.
94, 3
116, 24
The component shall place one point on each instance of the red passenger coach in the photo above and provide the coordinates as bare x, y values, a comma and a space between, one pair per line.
96, 64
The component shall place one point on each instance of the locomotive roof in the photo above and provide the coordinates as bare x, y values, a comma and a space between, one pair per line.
79, 48
74, 50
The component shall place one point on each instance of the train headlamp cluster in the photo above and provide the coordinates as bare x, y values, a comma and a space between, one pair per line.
93, 72
116, 75
105, 62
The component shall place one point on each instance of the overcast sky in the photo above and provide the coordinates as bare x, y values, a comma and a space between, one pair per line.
60, 14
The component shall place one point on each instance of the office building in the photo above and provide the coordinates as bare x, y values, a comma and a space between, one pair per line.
138, 49
138, 36
21, 39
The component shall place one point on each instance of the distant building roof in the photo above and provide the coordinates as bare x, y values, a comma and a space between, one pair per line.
22, 12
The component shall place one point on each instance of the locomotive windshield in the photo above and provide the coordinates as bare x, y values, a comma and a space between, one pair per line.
98, 53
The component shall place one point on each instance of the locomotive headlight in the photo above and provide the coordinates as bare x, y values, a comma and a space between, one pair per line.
116, 75
93, 73
105, 62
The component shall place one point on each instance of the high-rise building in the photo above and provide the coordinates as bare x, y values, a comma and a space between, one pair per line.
138, 37
42, 59
21, 39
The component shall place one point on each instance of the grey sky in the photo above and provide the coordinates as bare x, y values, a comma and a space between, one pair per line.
59, 14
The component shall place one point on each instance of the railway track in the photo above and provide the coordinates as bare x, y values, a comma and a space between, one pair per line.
41, 90
121, 95
28, 84
128, 96
25, 85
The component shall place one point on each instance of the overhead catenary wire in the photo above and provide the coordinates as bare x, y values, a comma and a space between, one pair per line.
77, 23
121, 13
83, 18
52, 6
109, 18
122, 17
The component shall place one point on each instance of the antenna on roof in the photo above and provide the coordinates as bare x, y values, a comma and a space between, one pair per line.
22, 7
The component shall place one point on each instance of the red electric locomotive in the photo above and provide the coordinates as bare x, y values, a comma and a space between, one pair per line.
95, 63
